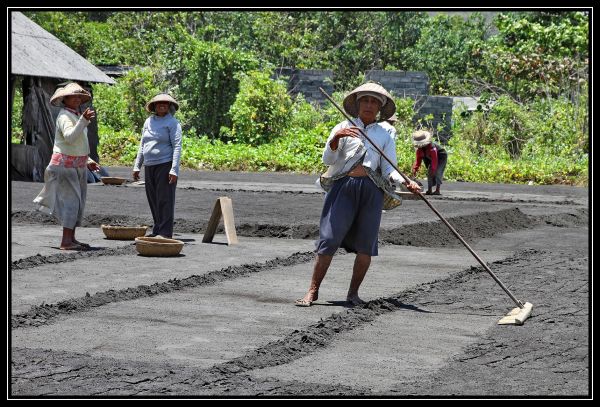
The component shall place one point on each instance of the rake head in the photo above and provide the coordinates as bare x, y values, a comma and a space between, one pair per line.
517, 316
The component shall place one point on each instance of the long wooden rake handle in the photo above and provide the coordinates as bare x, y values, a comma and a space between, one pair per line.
485, 266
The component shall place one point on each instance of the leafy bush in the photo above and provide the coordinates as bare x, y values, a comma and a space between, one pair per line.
544, 142
536, 54
16, 118
210, 85
122, 106
261, 109
117, 147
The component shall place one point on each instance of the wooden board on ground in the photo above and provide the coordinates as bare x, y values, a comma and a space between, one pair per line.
223, 208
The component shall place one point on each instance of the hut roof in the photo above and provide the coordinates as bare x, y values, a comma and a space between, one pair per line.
36, 52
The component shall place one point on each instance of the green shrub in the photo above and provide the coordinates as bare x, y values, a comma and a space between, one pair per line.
16, 119
117, 146
261, 111
210, 85
122, 106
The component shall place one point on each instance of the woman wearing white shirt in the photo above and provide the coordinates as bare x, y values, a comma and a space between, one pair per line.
356, 181
65, 178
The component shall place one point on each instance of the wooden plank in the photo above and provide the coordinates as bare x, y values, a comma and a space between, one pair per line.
223, 208
227, 211
211, 227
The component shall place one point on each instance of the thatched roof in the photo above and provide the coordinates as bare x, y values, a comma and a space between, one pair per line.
36, 52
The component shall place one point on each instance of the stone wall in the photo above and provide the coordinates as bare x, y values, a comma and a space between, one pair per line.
401, 83
307, 82
440, 107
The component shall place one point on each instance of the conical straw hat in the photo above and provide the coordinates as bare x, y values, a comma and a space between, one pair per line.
69, 89
388, 108
161, 97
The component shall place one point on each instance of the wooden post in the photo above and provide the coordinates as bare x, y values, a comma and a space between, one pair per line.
224, 208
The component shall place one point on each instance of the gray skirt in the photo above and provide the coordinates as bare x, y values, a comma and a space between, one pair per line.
64, 194
351, 216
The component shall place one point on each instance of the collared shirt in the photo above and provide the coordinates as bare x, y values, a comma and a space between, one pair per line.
160, 143
70, 136
349, 148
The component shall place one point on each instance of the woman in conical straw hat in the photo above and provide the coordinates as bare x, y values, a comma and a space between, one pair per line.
356, 181
160, 152
65, 178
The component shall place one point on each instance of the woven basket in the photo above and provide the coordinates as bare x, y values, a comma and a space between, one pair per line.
123, 232
158, 246
112, 180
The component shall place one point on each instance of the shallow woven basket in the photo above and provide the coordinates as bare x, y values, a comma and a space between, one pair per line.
158, 246
123, 232
112, 180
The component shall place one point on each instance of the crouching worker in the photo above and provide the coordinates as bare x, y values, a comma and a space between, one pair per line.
433, 155
356, 181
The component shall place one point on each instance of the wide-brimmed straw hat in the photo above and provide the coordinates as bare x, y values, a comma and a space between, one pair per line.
162, 97
388, 107
70, 89
421, 138
393, 118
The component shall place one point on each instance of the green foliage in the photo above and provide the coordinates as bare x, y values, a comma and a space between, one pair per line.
261, 109
518, 143
552, 33
537, 55
210, 85
16, 118
117, 147
445, 49
122, 106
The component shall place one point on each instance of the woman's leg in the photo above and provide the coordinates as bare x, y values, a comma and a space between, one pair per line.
67, 242
322, 262
361, 265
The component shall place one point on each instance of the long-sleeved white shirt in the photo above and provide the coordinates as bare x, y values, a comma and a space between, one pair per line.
350, 148
70, 136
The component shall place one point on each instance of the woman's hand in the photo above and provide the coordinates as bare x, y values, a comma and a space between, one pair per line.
93, 165
135, 175
89, 114
345, 132
413, 187
172, 179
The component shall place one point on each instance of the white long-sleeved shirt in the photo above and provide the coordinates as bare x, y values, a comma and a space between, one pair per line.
70, 136
349, 149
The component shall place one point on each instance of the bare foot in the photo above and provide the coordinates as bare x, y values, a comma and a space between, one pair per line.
307, 300
354, 300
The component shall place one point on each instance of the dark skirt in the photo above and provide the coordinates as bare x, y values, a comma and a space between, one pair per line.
351, 216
